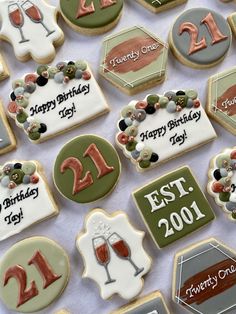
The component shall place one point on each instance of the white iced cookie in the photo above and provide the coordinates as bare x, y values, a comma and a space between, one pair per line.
4, 72
25, 198
31, 27
113, 254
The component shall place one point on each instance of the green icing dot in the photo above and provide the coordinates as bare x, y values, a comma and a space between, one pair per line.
34, 136
81, 65
224, 196
144, 164
69, 71
21, 117
152, 99
28, 168
221, 159
41, 69
163, 101
17, 176
131, 146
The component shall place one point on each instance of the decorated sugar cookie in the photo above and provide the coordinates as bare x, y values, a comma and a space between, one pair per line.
31, 27
96, 17
204, 278
25, 198
62, 312
134, 60
152, 303
55, 99
7, 138
222, 99
33, 272
161, 127
86, 169
222, 181
173, 206
113, 254
4, 72
160, 5
200, 38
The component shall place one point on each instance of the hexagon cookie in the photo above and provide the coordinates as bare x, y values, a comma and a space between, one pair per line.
222, 99
134, 60
205, 278
160, 5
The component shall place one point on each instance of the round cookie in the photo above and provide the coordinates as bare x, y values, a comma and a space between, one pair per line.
200, 38
86, 169
34, 272
96, 18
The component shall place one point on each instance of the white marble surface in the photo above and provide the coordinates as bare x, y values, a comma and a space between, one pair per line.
82, 295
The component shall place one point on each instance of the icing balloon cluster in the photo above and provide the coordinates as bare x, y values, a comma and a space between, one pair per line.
14, 174
134, 114
224, 184
62, 73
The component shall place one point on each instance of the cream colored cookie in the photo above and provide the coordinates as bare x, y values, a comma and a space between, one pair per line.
25, 197
31, 27
7, 138
4, 72
62, 312
56, 99
113, 254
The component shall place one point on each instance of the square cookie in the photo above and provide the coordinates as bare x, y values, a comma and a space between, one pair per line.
173, 206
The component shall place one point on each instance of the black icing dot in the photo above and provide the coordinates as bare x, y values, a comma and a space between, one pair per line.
17, 165
71, 63
122, 125
43, 128
150, 109
217, 174
154, 157
180, 93
13, 96
41, 81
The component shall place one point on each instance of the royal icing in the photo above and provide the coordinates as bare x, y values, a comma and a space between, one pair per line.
222, 99
33, 273
96, 17
111, 258
222, 181
7, 139
200, 37
56, 99
31, 27
160, 5
159, 128
24, 197
132, 58
204, 278
86, 169
173, 206
153, 303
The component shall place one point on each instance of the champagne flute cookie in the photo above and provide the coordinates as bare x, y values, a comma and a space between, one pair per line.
31, 27
113, 254
96, 17
200, 38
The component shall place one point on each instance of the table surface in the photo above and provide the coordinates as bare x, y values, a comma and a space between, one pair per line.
82, 295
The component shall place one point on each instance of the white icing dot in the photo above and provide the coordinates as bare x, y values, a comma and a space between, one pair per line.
190, 189
139, 147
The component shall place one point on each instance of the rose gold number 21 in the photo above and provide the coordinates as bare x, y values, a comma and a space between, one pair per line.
76, 166
19, 273
193, 31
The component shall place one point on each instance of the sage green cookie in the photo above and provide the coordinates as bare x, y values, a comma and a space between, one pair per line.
86, 169
33, 272
173, 206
